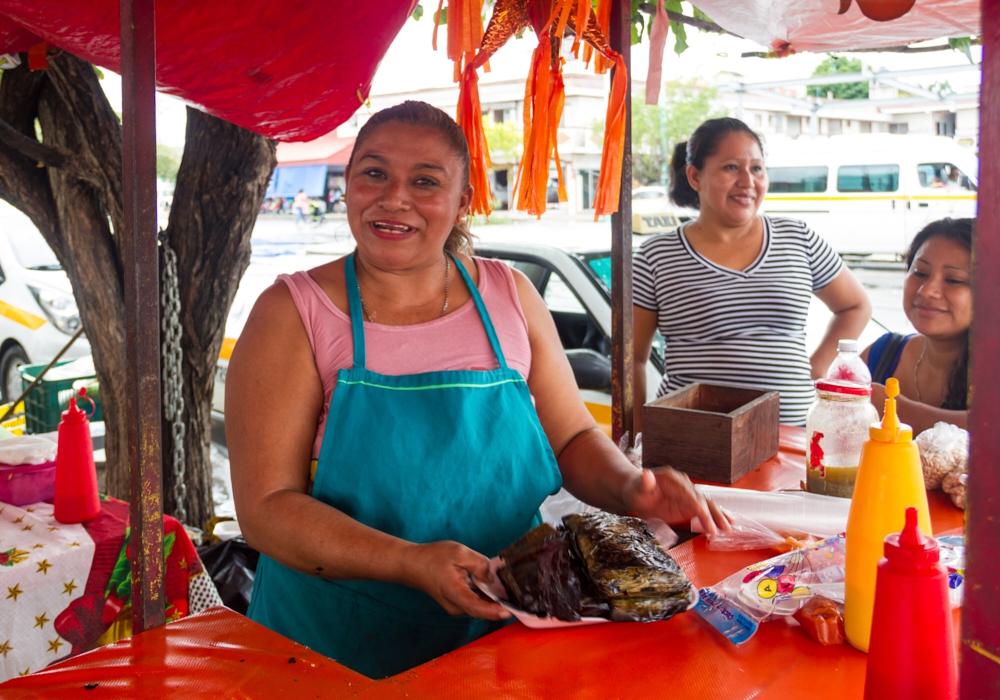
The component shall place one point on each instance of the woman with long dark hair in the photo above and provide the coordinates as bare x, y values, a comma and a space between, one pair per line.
932, 365
730, 291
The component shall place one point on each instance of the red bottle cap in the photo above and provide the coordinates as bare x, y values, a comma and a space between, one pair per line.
842, 386
73, 414
911, 549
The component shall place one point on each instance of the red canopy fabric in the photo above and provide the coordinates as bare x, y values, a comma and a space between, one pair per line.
289, 71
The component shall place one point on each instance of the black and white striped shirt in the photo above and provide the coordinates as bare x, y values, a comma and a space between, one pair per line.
745, 328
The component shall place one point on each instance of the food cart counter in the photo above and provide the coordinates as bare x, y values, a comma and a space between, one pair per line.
220, 654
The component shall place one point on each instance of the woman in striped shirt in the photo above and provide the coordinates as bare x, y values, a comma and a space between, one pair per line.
730, 290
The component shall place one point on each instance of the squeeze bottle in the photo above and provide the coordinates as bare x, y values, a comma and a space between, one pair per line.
912, 655
848, 366
889, 481
76, 499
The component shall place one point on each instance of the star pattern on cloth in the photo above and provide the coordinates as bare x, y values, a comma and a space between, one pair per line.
19, 520
68, 588
5, 648
29, 526
41, 620
44, 567
14, 592
25, 672
54, 645
39, 546
53, 528
29, 510
74, 544
183, 563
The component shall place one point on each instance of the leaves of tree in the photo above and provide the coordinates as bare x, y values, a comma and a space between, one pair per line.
843, 91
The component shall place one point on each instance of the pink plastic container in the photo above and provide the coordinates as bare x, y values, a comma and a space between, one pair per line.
22, 484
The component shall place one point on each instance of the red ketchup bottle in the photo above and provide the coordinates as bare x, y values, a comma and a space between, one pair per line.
76, 499
912, 651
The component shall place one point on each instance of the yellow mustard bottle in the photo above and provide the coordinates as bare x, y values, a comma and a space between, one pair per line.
889, 481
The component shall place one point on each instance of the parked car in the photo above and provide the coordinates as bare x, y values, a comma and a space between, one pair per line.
575, 286
38, 313
653, 212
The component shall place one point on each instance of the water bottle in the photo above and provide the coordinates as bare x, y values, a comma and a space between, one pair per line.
912, 650
849, 366
76, 499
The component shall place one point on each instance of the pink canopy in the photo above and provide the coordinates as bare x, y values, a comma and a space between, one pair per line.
290, 71
814, 25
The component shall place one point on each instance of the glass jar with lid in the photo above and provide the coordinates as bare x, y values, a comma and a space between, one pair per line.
836, 429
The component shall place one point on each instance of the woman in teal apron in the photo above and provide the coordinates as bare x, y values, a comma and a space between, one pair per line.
420, 477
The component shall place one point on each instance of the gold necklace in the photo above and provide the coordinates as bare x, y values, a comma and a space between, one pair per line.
447, 284
916, 381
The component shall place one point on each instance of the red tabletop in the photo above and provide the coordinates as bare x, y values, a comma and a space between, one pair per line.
220, 654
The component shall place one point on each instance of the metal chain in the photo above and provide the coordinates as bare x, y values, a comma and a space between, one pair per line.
173, 377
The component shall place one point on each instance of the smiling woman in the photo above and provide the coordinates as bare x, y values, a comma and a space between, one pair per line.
931, 365
730, 291
431, 393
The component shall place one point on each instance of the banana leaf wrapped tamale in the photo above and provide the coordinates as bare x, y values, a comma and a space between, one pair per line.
623, 557
599, 565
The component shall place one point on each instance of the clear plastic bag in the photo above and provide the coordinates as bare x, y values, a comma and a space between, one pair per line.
747, 533
943, 449
28, 449
776, 587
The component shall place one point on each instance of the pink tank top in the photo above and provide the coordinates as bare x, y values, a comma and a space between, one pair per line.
455, 341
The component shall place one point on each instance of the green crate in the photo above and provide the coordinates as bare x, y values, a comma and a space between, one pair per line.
42, 407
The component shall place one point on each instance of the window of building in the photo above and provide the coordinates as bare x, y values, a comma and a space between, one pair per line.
868, 178
758, 120
834, 127
810, 178
899, 128
588, 187
498, 116
865, 127
794, 126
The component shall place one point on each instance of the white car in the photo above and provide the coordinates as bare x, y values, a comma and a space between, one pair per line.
653, 212
38, 314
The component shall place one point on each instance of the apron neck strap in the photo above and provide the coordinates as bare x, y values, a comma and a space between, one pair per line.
483, 313
358, 317
357, 314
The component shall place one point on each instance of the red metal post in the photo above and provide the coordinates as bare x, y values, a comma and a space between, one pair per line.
142, 310
980, 656
622, 328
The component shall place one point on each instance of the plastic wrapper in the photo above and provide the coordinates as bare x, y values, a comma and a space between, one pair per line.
28, 449
747, 533
953, 560
943, 449
788, 513
598, 566
776, 587
823, 620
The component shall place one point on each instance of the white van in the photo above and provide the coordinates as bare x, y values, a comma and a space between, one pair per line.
38, 313
870, 193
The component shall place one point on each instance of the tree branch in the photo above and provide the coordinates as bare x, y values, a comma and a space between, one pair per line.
704, 25
29, 147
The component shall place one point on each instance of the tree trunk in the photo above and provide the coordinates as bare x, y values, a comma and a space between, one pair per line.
70, 187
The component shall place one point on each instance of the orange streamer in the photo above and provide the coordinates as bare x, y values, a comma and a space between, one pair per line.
609, 182
470, 119
602, 13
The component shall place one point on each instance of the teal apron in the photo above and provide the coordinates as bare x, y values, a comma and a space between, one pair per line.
455, 455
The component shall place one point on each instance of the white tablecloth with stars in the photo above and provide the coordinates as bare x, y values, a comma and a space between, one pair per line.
44, 565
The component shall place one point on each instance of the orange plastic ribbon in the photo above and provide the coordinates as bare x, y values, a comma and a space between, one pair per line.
470, 118
609, 182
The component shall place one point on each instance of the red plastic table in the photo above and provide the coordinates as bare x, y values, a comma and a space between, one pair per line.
220, 654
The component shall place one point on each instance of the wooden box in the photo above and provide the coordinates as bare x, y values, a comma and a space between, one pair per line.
712, 432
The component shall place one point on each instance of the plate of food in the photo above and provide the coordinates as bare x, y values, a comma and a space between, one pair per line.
594, 568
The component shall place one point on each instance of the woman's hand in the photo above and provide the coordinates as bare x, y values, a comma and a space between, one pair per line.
442, 569
669, 495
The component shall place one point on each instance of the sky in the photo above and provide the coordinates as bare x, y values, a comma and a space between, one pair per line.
411, 64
